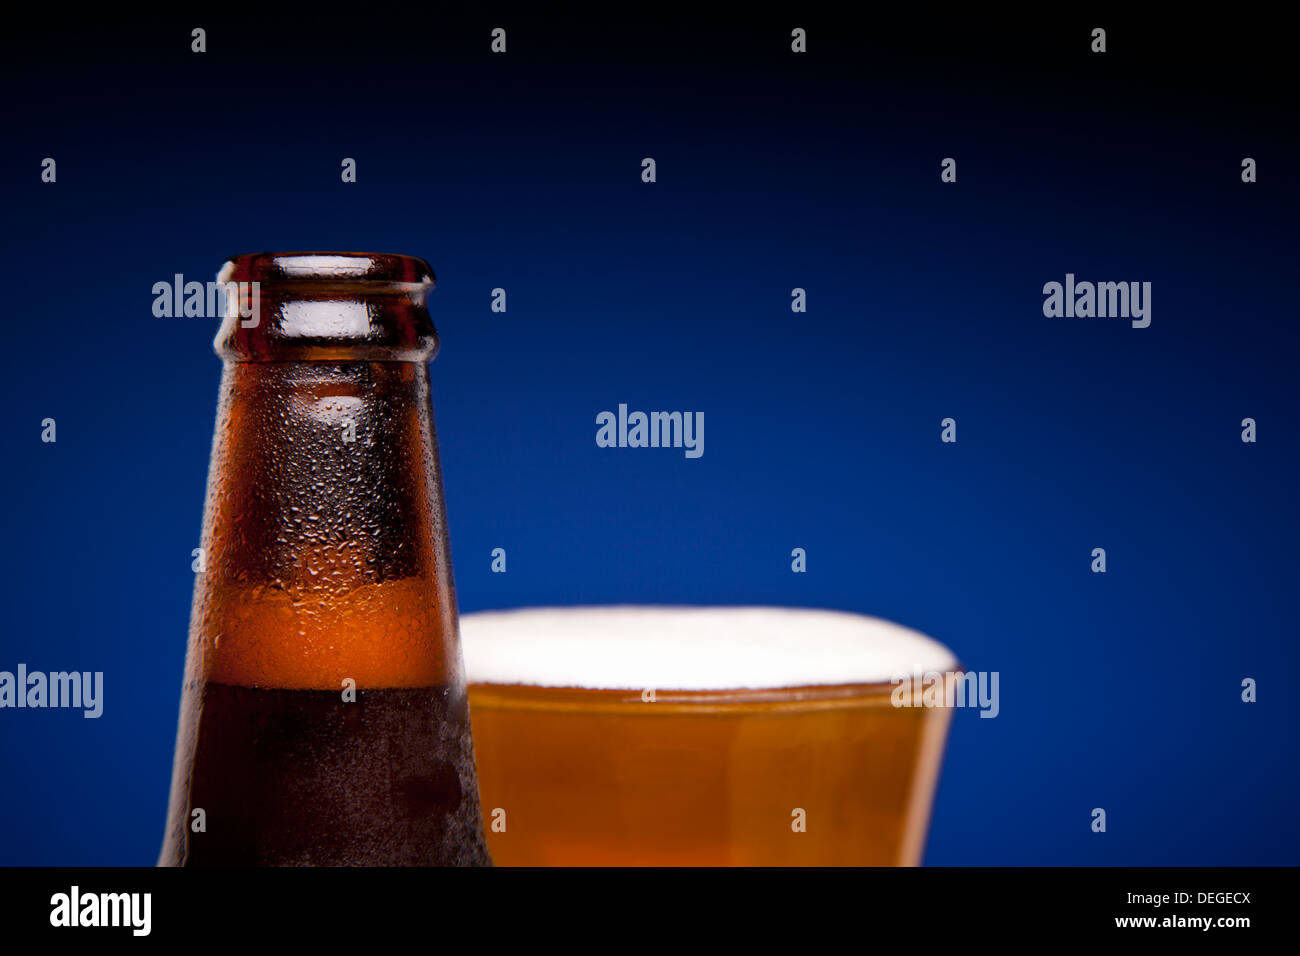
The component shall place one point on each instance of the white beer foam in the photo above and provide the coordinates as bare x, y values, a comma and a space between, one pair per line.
691, 648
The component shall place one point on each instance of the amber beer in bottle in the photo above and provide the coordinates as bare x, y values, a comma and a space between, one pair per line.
324, 718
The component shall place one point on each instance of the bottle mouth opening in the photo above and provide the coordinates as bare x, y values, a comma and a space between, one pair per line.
326, 306
407, 273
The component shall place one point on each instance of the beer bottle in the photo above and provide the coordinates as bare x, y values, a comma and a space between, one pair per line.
324, 717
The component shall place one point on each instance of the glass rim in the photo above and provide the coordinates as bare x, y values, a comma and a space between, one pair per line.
516, 696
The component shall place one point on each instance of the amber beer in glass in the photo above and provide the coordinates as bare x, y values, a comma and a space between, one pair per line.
704, 736
324, 717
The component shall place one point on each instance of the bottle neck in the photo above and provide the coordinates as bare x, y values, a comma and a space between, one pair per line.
324, 531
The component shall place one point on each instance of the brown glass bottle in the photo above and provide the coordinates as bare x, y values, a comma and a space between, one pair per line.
324, 718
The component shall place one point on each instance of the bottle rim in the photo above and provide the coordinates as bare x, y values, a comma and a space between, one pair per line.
276, 268
326, 307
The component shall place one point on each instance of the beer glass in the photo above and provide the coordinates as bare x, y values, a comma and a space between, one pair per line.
704, 736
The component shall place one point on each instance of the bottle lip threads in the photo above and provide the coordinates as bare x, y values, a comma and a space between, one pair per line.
279, 267
326, 306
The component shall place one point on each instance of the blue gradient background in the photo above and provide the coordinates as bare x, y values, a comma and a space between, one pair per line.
1119, 691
